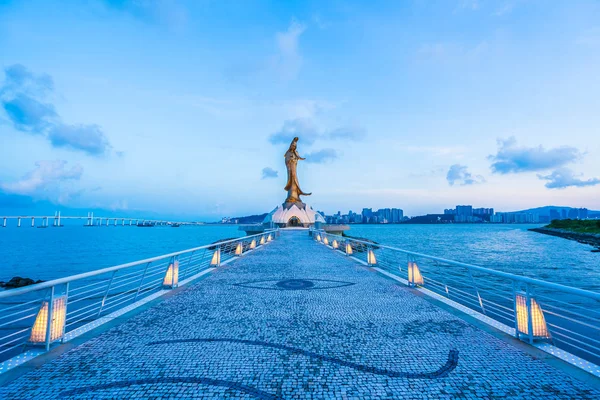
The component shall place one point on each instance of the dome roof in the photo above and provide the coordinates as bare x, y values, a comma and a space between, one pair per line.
280, 215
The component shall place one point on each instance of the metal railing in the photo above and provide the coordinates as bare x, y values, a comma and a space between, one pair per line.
44, 313
565, 317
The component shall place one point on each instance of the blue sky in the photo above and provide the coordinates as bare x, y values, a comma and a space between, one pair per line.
186, 108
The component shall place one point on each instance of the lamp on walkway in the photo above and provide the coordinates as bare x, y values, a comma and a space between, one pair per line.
530, 318
58, 312
172, 276
238, 249
371, 260
253, 244
348, 249
334, 244
414, 274
216, 258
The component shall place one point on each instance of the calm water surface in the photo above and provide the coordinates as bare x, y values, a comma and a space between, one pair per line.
509, 248
57, 252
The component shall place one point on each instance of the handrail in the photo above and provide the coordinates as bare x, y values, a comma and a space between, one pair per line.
528, 308
60, 281
70, 306
524, 279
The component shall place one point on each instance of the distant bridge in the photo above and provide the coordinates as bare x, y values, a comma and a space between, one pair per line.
90, 220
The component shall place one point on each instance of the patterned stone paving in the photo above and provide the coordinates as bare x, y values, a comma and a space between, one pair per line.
295, 320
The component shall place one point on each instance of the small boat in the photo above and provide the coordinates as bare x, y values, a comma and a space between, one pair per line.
175, 225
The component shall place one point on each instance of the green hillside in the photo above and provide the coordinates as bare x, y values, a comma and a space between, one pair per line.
575, 225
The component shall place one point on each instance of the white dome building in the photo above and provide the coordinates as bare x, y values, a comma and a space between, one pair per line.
293, 215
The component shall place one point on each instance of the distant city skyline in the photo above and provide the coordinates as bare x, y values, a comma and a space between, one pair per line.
461, 214
184, 109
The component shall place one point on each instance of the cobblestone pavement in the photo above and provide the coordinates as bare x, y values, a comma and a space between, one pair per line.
295, 320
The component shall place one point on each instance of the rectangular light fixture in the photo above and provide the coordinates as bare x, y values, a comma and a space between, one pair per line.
318, 237
253, 244
262, 240
57, 325
371, 260
538, 322
325, 241
348, 249
238, 249
216, 258
269, 238
414, 274
334, 244
172, 275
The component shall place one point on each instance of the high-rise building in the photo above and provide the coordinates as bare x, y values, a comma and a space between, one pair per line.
367, 215
464, 214
573, 213
464, 210
554, 215
397, 215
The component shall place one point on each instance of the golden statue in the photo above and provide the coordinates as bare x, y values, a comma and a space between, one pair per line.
293, 187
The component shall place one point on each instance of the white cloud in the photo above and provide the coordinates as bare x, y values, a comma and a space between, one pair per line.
563, 178
46, 177
288, 60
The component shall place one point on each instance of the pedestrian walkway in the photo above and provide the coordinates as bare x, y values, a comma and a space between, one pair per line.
295, 319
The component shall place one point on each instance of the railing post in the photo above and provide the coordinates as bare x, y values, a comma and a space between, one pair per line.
106, 293
175, 260
49, 321
189, 261
477, 291
514, 288
529, 320
141, 281
62, 337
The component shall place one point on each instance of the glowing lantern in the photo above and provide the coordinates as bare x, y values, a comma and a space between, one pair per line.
325, 241
238, 249
57, 325
172, 275
334, 244
269, 238
348, 249
253, 244
414, 274
318, 237
538, 322
216, 258
262, 240
371, 260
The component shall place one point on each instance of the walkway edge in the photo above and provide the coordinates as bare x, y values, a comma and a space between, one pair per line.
25, 362
544, 351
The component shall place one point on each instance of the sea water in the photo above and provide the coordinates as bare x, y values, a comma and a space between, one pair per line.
58, 252
52, 252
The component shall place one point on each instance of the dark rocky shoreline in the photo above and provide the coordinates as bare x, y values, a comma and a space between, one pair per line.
585, 238
18, 282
